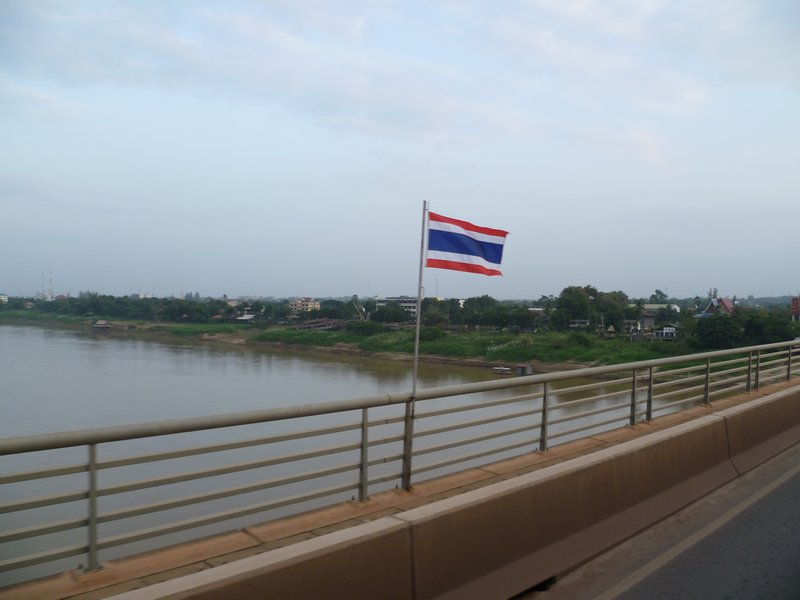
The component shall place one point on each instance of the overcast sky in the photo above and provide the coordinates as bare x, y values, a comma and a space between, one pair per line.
285, 147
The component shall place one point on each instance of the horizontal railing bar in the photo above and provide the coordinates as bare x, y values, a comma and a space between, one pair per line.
478, 406
386, 421
144, 509
566, 432
669, 375
590, 386
728, 390
469, 441
726, 381
679, 392
587, 400
385, 479
43, 474
383, 441
781, 366
733, 361
469, 424
29, 532
235, 468
16, 445
30, 560
468, 457
588, 413
176, 527
683, 381
737, 366
17, 506
732, 369
772, 377
695, 399
196, 450
773, 365
382, 460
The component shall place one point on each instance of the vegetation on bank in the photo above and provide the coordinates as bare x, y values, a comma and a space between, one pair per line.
495, 346
582, 324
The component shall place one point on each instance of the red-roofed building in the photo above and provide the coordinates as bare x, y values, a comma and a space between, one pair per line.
719, 306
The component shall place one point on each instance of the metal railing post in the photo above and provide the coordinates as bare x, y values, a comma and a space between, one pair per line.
758, 369
632, 419
749, 385
408, 446
363, 479
707, 385
649, 413
789, 365
543, 431
94, 563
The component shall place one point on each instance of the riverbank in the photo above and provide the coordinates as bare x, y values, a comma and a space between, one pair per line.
544, 351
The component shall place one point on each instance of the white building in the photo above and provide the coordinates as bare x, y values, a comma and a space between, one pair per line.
407, 303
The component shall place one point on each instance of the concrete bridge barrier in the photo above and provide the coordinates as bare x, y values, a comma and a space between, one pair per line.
501, 539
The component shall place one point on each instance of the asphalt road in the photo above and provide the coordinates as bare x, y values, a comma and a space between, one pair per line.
740, 542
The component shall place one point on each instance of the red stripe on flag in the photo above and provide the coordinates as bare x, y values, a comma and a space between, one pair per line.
467, 225
459, 266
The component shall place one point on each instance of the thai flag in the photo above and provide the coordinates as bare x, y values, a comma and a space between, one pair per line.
462, 246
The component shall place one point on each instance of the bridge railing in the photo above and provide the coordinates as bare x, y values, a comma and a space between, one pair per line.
121, 490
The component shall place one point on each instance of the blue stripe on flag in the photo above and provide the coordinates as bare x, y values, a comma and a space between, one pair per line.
446, 241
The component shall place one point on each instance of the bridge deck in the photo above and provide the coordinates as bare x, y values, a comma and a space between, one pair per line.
142, 570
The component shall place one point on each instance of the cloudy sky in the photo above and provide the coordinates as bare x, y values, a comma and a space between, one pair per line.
285, 147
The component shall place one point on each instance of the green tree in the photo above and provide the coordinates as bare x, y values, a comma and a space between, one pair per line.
719, 333
611, 307
390, 313
433, 311
575, 301
559, 320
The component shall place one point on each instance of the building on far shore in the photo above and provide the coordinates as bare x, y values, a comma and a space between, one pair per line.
303, 304
407, 303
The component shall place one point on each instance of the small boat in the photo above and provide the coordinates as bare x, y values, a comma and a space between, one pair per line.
501, 370
102, 326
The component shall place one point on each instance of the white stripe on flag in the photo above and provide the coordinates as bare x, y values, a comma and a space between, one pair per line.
481, 237
461, 258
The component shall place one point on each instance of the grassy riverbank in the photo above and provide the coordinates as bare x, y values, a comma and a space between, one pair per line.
486, 346
491, 346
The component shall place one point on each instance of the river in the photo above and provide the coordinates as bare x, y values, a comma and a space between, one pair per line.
59, 379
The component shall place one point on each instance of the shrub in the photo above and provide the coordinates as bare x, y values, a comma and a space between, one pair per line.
429, 334
364, 328
580, 339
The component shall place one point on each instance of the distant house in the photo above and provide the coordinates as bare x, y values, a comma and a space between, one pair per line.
3, 298
717, 306
304, 305
647, 319
668, 332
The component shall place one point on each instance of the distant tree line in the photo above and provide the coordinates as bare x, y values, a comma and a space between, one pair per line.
582, 307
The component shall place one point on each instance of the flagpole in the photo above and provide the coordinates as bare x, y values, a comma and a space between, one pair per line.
419, 299
408, 434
